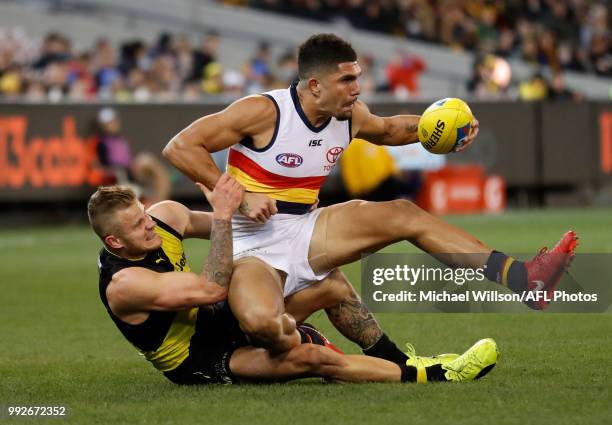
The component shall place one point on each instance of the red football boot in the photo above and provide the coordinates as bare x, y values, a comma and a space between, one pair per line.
316, 337
545, 270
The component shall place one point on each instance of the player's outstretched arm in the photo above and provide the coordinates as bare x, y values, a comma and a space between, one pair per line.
390, 131
393, 131
190, 149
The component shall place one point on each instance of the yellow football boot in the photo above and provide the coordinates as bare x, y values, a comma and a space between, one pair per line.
421, 363
475, 363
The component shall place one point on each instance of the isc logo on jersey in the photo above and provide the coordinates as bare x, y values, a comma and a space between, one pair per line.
290, 160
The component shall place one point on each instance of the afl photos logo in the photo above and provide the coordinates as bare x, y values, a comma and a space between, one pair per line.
333, 154
290, 160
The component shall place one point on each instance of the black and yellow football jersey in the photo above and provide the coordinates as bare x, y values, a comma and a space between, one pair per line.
191, 346
164, 337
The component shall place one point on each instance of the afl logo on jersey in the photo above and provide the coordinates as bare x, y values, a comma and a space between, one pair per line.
333, 154
290, 160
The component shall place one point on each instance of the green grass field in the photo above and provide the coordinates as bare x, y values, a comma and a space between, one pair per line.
59, 347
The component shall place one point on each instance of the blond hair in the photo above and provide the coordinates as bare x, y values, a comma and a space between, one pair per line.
106, 201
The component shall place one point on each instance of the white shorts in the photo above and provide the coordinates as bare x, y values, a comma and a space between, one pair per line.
282, 242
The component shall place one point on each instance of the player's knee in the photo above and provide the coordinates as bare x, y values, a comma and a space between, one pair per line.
338, 291
404, 215
262, 326
405, 207
343, 291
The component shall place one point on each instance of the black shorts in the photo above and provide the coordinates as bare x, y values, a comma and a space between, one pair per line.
217, 336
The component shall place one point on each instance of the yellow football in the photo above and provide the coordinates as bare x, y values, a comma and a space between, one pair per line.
445, 125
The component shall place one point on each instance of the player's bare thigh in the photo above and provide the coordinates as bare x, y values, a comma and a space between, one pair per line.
256, 290
248, 272
256, 299
344, 231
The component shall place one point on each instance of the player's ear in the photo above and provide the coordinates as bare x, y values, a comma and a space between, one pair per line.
113, 241
314, 86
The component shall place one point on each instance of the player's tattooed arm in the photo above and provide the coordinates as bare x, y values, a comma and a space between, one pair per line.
401, 130
353, 320
225, 200
219, 264
411, 128
392, 131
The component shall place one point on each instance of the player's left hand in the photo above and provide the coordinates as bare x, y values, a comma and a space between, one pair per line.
473, 133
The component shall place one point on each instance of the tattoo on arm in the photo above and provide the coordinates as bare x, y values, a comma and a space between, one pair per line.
411, 128
219, 264
353, 320
401, 130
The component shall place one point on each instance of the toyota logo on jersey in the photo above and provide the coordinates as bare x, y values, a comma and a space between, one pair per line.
290, 160
333, 154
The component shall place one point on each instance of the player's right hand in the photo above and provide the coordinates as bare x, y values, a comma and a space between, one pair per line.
225, 198
258, 207
473, 133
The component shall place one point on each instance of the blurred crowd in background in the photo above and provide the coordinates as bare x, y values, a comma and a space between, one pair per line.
563, 34
170, 69
556, 35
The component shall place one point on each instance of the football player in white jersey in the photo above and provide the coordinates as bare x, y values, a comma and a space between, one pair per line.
279, 245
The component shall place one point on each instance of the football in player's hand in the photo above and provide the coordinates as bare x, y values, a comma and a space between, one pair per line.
445, 125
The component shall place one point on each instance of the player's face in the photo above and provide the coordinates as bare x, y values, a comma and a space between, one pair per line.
136, 231
341, 90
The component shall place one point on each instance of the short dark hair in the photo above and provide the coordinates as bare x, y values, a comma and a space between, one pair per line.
106, 201
323, 52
